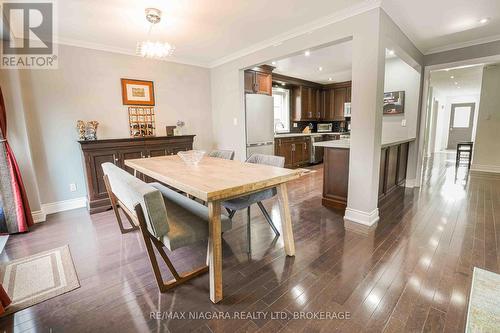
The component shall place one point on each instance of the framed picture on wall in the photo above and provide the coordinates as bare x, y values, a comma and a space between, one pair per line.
138, 92
394, 102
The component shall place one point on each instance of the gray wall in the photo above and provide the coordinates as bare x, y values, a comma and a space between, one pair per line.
401, 76
87, 86
487, 144
465, 53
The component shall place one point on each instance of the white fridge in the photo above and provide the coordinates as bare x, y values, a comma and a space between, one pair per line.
259, 120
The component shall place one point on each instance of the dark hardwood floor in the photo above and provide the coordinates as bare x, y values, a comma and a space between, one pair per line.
412, 275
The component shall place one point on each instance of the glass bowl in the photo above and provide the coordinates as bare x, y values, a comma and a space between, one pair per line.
192, 157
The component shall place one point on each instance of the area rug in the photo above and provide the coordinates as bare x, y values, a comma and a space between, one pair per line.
37, 278
484, 302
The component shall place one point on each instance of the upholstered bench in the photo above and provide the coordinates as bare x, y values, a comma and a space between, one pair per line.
165, 217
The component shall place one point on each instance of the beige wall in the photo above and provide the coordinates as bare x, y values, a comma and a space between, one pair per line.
487, 145
87, 86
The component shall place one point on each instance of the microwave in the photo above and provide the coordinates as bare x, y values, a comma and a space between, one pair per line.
347, 109
325, 127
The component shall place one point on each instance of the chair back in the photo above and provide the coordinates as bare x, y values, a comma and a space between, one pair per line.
224, 154
131, 191
277, 161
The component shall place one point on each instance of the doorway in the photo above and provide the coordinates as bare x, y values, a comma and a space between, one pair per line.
461, 123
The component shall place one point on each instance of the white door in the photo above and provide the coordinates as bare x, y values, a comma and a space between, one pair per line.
461, 121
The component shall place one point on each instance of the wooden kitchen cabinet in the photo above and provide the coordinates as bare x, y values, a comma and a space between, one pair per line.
393, 166
327, 105
339, 100
306, 103
348, 95
259, 80
295, 150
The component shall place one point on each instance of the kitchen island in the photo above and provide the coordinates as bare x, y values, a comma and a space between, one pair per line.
393, 164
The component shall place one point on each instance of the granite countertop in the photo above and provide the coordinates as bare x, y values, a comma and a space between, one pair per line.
289, 135
346, 143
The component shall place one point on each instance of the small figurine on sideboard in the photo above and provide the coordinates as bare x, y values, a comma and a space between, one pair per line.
87, 131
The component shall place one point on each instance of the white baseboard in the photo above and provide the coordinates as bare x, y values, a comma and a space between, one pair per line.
485, 168
357, 216
38, 216
411, 183
59, 206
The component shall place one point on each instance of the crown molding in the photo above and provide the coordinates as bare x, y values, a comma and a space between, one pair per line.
112, 49
363, 7
455, 46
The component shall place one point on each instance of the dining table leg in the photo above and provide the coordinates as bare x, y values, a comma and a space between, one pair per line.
215, 251
286, 220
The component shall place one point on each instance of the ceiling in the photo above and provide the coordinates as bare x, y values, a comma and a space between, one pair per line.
445, 24
202, 31
209, 32
465, 81
335, 62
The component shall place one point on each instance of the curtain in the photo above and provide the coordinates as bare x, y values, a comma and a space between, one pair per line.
15, 213
4, 300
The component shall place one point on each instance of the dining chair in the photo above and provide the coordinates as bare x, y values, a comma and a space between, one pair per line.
166, 219
233, 205
464, 148
224, 154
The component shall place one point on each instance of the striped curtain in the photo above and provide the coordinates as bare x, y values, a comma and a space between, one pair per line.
15, 213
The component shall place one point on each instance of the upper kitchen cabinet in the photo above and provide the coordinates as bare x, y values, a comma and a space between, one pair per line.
306, 103
327, 105
340, 99
334, 98
259, 80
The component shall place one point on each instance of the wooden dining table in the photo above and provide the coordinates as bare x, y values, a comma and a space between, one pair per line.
215, 180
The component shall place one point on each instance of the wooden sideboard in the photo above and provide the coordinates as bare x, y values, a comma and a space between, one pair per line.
117, 151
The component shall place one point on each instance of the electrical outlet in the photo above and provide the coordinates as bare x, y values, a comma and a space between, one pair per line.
72, 187
235, 121
295, 125
403, 122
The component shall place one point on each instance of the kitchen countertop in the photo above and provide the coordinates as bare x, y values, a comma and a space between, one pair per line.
289, 135
346, 143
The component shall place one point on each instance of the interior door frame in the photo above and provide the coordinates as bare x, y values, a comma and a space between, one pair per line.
453, 106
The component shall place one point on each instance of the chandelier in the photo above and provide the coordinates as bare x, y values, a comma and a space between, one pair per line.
151, 49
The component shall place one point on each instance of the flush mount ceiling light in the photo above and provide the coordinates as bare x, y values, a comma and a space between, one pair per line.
320, 68
150, 49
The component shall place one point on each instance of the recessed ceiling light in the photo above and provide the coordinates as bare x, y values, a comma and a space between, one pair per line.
320, 68
456, 83
330, 79
307, 53
484, 20
274, 62
447, 69
391, 52
283, 83
458, 87
452, 77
